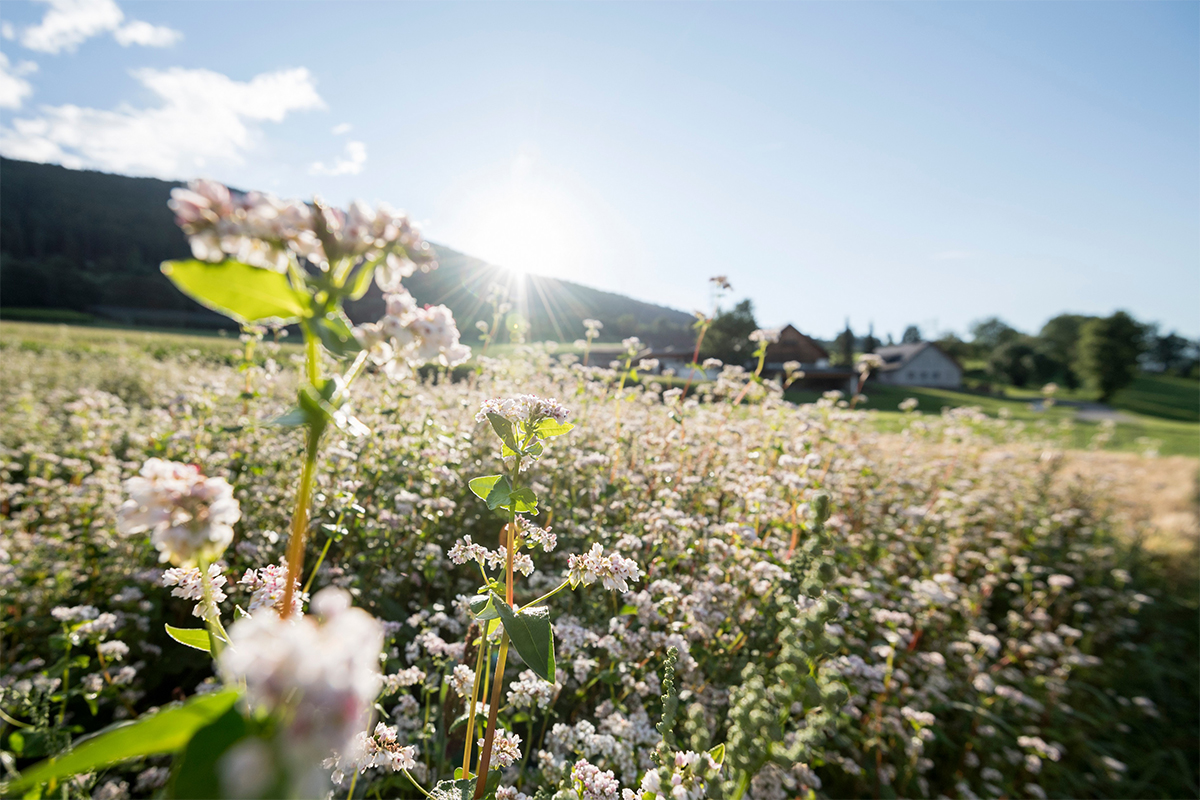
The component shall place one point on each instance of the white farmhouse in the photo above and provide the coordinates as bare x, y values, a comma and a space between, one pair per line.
918, 364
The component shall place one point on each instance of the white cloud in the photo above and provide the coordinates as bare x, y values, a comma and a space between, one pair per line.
68, 23
8, 31
13, 87
145, 34
352, 164
204, 117
345, 127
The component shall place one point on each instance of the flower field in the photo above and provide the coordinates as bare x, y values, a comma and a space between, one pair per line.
961, 627
376, 565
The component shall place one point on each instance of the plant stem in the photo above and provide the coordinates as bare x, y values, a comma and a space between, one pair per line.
212, 616
485, 757
295, 551
479, 666
546, 596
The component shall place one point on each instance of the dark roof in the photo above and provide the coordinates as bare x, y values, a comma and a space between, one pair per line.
895, 356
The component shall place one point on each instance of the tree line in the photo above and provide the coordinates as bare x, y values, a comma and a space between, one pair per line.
1072, 350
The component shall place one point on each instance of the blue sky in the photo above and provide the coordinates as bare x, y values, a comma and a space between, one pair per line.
928, 163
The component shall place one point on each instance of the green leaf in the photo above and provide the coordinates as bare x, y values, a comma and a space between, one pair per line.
245, 293
196, 774
503, 429
334, 331
165, 732
493, 489
192, 637
464, 788
523, 501
551, 427
529, 630
718, 754
362, 280
294, 418
482, 607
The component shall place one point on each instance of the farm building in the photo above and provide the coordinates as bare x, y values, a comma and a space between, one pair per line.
918, 364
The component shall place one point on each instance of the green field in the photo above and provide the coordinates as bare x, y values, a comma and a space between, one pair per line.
1157, 410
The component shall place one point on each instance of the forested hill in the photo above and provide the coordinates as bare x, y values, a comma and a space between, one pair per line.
93, 242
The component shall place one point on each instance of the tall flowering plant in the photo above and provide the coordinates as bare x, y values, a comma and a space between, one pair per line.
523, 425
298, 688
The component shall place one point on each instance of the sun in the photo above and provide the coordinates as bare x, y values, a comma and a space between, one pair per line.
525, 222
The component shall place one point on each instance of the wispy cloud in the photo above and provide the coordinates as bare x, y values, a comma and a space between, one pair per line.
351, 164
13, 86
204, 117
345, 127
69, 23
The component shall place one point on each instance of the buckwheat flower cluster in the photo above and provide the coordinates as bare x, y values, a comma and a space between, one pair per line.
613, 570
530, 690
506, 749
465, 550
535, 536
253, 228
263, 231
593, 327
591, 783
267, 587
497, 558
523, 408
187, 584
326, 675
187, 514
407, 336
462, 680
764, 335
381, 748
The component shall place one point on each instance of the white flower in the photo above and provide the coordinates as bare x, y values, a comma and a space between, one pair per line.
187, 514
326, 674
612, 570
592, 783
506, 749
529, 690
1061, 581
267, 587
764, 335
115, 649
527, 409
462, 680
186, 581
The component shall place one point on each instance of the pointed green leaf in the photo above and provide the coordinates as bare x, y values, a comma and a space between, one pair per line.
551, 427
196, 774
165, 732
493, 489
362, 280
504, 429
245, 293
530, 632
334, 331
192, 637
482, 608
718, 754
523, 501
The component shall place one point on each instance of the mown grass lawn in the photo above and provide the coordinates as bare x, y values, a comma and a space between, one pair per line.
1156, 408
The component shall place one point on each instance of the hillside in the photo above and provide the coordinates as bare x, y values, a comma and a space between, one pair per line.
92, 242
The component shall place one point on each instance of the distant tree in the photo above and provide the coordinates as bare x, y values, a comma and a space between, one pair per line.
954, 347
1170, 353
1013, 363
988, 334
1058, 340
1107, 353
912, 335
844, 346
869, 343
729, 337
